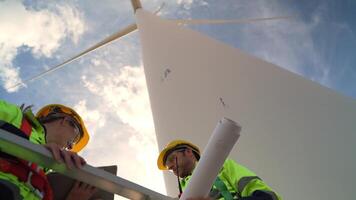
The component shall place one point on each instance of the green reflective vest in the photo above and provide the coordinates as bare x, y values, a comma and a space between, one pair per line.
12, 114
238, 180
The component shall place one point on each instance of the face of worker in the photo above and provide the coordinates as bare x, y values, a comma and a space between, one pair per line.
183, 160
63, 132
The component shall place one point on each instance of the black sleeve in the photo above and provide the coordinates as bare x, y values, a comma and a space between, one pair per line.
261, 195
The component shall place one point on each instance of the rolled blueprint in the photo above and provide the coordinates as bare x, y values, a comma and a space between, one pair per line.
221, 142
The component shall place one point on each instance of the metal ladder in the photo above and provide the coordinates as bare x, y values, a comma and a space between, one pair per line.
16, 146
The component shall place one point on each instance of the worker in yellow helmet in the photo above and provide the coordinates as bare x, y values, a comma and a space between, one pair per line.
54, 112
233, 181
57, 127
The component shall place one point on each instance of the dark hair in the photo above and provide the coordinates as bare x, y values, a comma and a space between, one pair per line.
49, 118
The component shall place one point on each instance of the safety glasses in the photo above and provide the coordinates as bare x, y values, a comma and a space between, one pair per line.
76, 128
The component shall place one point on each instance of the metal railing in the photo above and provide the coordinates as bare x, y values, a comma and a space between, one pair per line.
22, 148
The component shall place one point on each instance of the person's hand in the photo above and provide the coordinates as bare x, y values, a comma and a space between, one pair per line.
81, 191
71, 159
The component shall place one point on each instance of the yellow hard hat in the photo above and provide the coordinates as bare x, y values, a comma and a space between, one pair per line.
58, 108
171, 147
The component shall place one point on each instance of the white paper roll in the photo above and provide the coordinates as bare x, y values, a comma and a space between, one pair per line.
218, 148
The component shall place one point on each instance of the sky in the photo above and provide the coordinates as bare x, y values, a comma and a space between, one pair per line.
108, 87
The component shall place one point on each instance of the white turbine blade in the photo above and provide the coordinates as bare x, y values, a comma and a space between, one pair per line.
194, 80
104, 42
232, 21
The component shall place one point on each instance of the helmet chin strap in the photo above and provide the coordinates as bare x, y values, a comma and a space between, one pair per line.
179, 185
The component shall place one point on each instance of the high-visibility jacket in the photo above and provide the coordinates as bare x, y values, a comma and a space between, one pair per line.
238, 182
13, 115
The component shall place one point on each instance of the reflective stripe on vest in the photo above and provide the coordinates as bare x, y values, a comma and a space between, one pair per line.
26, 127
27, 172
241, 184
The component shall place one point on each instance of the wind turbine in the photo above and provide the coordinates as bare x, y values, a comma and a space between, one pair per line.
294, 131
298, 135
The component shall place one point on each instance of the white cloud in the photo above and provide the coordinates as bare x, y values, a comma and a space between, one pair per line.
133, 143
42, 31
125, 90
187, 4
287, 43
10, 76
73, 21
93, 119
95, 62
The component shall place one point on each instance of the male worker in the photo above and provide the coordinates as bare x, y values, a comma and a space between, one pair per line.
60, 129
233, 182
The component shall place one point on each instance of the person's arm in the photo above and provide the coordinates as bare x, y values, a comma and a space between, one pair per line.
247, 184
258, 190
